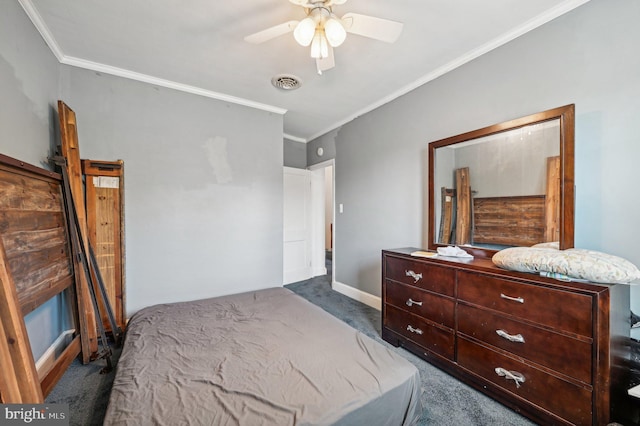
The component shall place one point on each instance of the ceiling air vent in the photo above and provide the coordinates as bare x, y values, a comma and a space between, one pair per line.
286, 82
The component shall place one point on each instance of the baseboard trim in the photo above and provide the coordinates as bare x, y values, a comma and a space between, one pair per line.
359, 295
319, 271
293, 276
48, 358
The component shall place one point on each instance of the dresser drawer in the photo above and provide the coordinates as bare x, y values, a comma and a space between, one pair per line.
419, 302
558, 309
562, 398
558, 352
430, 277
420, 331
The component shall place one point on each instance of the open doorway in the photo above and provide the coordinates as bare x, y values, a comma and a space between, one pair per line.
323, 216
328, 218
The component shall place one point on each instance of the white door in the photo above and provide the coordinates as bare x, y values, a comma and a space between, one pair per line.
297, 225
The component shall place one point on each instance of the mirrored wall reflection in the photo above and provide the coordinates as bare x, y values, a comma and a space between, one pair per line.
499, 190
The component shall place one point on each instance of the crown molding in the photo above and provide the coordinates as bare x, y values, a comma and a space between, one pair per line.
46, 34
42, 28
514, 33
145, 78
295, 138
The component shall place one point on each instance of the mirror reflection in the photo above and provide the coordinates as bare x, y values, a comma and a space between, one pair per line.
508, 184
500, 190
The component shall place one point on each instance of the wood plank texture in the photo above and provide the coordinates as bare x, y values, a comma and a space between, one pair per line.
104, 222
9, 387
33, 232
446, 218
463, 209
20, 383
35, 265
511, 221
61, 365
552, 201
71, 152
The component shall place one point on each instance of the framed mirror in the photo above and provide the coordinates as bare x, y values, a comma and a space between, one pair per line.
510, 184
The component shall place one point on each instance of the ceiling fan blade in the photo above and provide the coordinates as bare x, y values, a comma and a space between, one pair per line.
369, 26
273, 32
326, 63
335, 2
303, 3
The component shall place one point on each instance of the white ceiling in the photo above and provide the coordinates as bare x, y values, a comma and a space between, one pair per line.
198, 46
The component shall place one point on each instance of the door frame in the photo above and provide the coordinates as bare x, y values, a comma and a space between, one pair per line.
318, 218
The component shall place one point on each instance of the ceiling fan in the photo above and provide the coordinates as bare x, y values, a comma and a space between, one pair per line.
323, 30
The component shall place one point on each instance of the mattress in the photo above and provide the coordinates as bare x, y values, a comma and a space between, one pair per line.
267, 357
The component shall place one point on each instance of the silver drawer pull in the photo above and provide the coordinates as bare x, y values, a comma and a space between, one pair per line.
414, 330
515, 299
412, 302
511, 337
416, 277
513, 375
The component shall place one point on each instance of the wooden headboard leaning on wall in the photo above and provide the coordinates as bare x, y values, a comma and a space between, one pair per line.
509, 221
522, 220
35, 265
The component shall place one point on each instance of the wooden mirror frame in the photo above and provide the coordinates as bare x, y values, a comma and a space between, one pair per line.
566, 115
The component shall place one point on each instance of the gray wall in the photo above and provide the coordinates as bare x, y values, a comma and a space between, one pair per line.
203, 191
28, 119
508, 164
303, 155
29, 87
328, 144
587, 57
295, 154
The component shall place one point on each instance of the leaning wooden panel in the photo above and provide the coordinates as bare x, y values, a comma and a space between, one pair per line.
16, 354
511, 221
61, 365
552, 201
71, 152
105, 212
463, 213
33, 232
9, 387
446, 217
37, 262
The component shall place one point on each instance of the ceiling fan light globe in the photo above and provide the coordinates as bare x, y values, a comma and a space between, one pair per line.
305, 31
335, 32
315, 46
324, 46
319, 45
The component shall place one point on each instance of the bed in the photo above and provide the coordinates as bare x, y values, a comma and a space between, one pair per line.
263, 357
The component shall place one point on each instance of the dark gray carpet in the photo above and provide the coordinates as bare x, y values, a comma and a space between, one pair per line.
86, 389
445, 400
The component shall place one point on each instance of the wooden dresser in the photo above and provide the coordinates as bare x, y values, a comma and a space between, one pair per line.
556, 352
